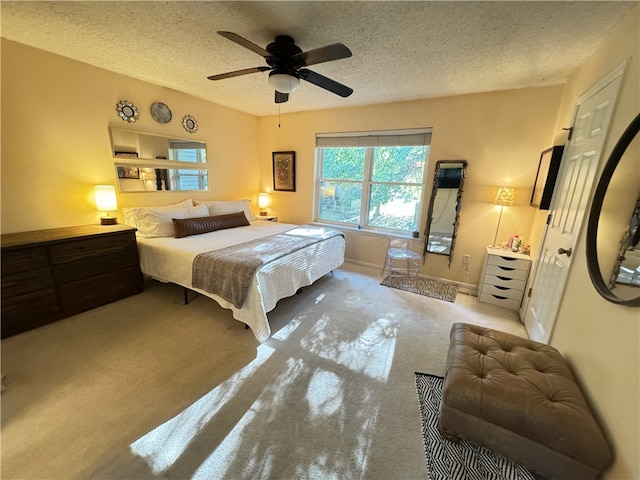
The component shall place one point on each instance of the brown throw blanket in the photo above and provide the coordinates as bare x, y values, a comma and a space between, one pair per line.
228, 272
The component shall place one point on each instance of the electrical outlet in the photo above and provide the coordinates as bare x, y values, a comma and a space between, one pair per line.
466, 258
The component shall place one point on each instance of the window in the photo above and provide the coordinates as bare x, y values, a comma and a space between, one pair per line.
184, 151
188, 179
193, 152
374, 180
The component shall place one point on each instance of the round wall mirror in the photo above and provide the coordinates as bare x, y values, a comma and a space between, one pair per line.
127, 111
190, 124
613, 230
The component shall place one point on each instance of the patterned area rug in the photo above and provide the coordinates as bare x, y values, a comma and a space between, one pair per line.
428, 287
463, 460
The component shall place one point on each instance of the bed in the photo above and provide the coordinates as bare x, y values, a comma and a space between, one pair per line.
169, 259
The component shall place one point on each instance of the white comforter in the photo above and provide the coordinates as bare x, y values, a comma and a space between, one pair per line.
170, 259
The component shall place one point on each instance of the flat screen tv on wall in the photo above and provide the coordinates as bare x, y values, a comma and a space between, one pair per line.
546, 176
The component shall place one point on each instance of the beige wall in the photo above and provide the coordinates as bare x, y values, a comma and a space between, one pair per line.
500, 134
601, 339
55, 139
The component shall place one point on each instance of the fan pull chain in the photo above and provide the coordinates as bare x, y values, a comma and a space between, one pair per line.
278, 115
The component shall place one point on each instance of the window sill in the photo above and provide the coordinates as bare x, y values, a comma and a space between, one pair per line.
368, 232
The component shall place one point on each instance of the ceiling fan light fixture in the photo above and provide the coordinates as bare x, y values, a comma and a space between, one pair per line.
283, 82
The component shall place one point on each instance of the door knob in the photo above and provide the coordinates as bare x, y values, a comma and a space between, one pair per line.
567, 251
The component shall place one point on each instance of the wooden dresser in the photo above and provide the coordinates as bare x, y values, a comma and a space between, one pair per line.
51, 274
504, 277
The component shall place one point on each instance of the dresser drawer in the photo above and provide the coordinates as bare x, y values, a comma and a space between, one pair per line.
508, 262
506, 272
510, 303
24, 259
30, 310
91, 266
502, 291
27, 281
92, 247
98, 290
504, 282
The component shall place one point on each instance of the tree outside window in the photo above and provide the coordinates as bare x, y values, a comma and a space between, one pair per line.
374, 187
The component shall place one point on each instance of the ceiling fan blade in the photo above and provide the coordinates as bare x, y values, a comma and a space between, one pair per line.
281, 97
324, 82
237, 73
331, 52
234, 37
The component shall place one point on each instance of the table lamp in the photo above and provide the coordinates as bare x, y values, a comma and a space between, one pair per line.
263, 203
504, 198
106, 202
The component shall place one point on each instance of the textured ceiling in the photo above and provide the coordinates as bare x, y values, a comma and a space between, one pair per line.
401, 50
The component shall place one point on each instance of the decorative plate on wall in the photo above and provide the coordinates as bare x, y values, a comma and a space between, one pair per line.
127, 111
190, 124
160, 112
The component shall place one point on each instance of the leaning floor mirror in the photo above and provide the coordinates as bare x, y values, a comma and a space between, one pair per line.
444, 208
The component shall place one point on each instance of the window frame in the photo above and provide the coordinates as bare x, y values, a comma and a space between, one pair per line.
367, 183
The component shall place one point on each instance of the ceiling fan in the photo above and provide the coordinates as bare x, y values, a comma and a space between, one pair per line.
286, 65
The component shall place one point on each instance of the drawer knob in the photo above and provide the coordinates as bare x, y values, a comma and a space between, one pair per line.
563, 251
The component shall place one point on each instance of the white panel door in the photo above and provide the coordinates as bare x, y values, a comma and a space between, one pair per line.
568, 205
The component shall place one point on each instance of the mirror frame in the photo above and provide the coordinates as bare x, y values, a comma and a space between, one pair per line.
434, 191
594, 216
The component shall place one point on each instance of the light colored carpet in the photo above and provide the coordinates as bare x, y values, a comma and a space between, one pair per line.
150, 388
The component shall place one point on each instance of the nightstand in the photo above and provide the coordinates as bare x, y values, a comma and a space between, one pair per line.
268, 218
504, 277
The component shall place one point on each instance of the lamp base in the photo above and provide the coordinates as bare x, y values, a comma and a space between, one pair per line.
108, 221
264, 214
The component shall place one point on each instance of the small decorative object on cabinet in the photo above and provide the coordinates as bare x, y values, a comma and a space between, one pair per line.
504, 277
48, 275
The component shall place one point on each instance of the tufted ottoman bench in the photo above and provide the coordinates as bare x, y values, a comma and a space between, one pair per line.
518, 398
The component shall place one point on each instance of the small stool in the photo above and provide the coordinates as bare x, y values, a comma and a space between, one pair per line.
518, 398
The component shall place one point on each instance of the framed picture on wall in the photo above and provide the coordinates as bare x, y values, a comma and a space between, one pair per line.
284, 171
545, 181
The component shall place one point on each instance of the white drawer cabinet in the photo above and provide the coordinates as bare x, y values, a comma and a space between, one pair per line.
504, 277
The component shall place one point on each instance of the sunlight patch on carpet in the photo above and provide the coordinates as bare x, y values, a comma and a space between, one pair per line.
427, 287
306, 398
161, 447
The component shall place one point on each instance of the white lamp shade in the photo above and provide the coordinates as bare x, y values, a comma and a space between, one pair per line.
504, 197
263, 200
106, 198
283, 83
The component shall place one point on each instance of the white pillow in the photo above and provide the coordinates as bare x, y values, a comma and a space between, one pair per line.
159, 223
131, 214
219, 207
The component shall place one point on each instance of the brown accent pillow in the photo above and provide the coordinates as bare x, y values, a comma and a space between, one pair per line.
194, 226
